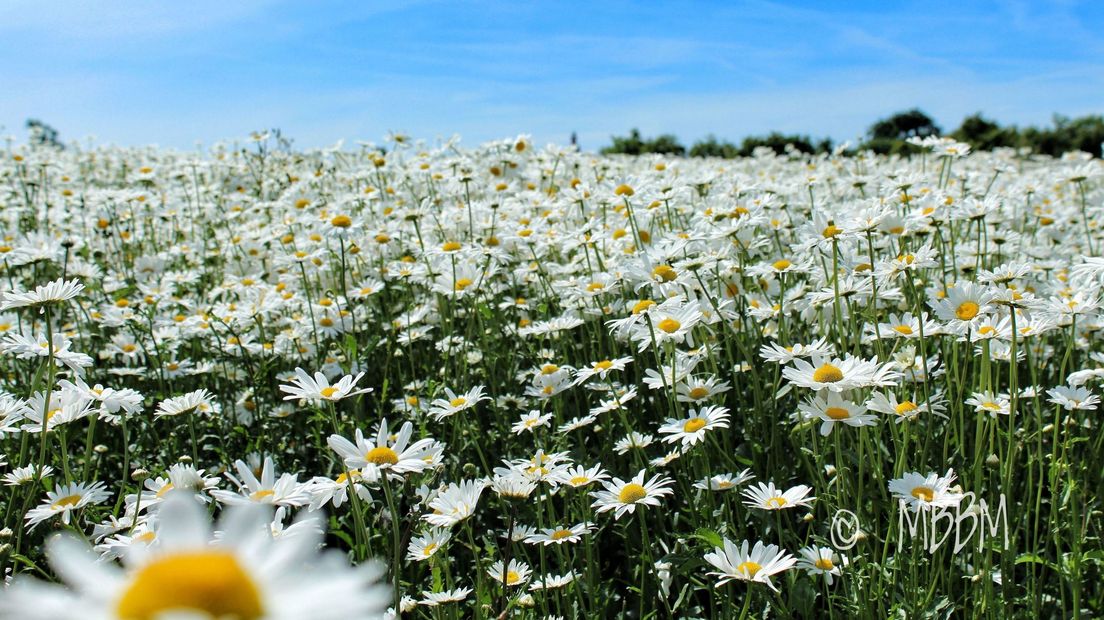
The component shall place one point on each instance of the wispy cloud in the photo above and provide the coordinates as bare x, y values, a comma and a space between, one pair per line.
173, 73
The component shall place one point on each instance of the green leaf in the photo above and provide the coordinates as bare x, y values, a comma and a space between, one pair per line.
709, 536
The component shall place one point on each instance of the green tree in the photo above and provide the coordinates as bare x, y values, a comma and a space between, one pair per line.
889, 135
985, 135
711, 147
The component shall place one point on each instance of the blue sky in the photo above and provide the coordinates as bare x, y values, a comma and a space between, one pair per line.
174, 73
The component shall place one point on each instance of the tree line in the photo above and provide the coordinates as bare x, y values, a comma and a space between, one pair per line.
889, 136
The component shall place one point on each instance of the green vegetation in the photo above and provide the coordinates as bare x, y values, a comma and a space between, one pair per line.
890, 136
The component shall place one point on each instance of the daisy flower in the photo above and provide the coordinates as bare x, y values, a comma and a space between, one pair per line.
831, 408
57, 291
774, 352
454, 504
423, 546
531, 421
433, 599
903, 410
840, 375
442, 408
600, 369
724, 482
623, 497
551, 582
917, 491
560, 535
1072, 398
766, 497
694, 390
633, 441
692, 430
963, 304
990, 403
305, 388
516, 574
384, 455
579, 476
66, 499
188, 572
285, 491
668, 323
821, 561
199, 401
758, 564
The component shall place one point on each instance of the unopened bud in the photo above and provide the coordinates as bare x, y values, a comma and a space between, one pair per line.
100, 449
992, 461
139, 475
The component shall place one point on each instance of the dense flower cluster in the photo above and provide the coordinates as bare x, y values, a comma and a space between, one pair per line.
536, 382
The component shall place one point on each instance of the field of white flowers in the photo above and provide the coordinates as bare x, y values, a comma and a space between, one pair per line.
428, 381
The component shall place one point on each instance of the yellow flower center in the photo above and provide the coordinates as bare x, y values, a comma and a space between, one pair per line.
642, 305
669, 325
698, 393
903, 329
512, 577
966, 310
66, 502
328, 392
165, 489
210, 583
263, 493
748, 567
665, 273
776, 502
459, 401
463, 283
429, 549
451, 246
624, 190
824, 564
831, 231
632, 493
382, 456
341, 221
827, 374
577, 480
924, 494
560, 534
693, 425
906, 407
781, 265
985, 330
603, 365
990, 405
837, 413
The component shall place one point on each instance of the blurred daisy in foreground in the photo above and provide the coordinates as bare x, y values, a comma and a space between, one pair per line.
758, 564
188, 573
